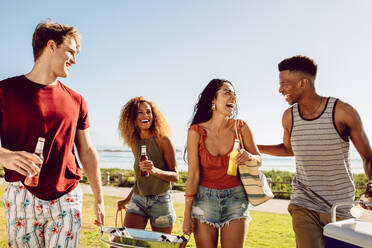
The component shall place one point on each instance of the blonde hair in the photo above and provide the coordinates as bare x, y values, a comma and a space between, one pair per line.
127, 122
49, 30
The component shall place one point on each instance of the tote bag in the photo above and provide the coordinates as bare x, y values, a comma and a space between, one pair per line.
254, 181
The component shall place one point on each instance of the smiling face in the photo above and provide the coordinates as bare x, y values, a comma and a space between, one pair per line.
63, 57
225, 100
290, 86
144, 116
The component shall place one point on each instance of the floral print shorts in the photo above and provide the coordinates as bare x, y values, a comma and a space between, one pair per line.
32, 222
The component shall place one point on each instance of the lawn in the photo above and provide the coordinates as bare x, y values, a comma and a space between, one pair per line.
266, 229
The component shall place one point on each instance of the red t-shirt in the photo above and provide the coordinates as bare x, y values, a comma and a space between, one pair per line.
28, 111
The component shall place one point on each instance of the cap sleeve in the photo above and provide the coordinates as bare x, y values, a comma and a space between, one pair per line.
197, 129
200, 131
83, 122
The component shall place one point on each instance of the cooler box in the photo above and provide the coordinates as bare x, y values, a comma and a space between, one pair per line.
350, 233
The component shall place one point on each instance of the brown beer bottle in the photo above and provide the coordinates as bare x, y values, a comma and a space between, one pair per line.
33, 180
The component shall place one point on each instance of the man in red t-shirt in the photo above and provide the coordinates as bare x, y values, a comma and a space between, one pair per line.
37, 105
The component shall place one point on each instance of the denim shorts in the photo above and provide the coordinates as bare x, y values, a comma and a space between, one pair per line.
159, 208
218, 207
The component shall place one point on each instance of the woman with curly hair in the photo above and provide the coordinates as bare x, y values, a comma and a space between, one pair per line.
141, 123
215, 200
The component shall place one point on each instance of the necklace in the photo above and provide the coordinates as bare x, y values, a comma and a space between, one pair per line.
320, 103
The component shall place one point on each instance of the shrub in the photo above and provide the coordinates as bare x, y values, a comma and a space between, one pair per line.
127, 182
281, 186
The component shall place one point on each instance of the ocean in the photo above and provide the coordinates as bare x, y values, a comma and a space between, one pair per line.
121, 157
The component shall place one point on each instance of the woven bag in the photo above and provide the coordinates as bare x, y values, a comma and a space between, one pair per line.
254, 181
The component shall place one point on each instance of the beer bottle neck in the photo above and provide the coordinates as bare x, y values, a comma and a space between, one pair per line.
143, 150
40, 146
236, 144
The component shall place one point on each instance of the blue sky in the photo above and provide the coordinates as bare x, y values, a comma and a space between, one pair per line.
168, 51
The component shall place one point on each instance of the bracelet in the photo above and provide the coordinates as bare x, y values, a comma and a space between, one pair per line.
188, 199
190, 195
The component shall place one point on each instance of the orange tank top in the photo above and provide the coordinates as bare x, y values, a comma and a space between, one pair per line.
213, 168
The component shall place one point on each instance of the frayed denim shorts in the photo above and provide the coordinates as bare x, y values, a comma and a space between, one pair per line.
218, 207
159, 208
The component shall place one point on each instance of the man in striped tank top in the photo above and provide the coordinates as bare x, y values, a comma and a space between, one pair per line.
317, 130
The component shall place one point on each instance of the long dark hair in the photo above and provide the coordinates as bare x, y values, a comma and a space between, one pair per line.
203, 108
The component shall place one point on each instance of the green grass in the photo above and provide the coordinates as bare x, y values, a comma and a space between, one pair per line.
266, 229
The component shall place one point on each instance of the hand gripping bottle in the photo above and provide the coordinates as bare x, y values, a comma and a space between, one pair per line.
232, 169
33, 180
143, 158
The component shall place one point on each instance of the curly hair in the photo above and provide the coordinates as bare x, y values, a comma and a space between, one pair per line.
127, 123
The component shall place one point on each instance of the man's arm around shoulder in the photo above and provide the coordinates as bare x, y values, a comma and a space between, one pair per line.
89, 159
285, 148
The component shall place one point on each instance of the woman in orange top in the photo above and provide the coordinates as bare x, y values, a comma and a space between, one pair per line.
215, 200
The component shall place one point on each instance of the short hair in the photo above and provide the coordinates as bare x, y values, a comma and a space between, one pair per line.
299, 63
49, 30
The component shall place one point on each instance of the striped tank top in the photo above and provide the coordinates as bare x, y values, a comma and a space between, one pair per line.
323, 176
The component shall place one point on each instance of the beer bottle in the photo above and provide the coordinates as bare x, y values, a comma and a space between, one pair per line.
143, 158
232, 169
33, 180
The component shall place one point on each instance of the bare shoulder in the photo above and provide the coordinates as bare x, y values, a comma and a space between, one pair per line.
344, 108
344, 112
165, 143
244, 127
288, 113
287, 118
346, 118
165, 140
